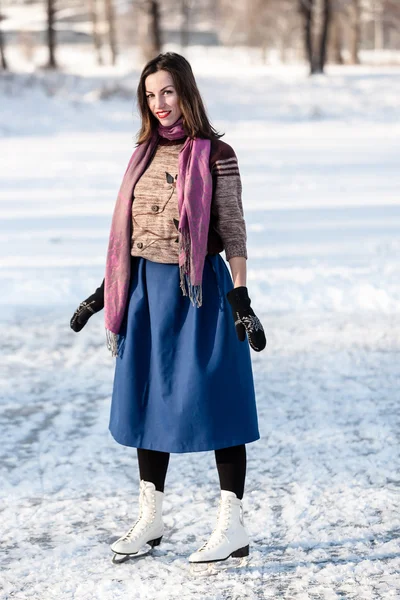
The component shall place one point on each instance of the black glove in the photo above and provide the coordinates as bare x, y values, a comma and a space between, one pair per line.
245, 319
87, 308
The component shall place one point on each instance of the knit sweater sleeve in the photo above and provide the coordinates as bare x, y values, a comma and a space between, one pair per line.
227, 208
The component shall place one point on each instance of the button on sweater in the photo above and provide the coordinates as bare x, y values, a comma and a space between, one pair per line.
155, 214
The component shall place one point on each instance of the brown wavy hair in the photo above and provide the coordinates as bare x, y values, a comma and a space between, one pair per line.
194, 116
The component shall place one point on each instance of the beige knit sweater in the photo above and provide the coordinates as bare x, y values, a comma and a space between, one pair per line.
155, 213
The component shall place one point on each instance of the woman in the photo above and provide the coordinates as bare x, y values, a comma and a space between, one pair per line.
183, 378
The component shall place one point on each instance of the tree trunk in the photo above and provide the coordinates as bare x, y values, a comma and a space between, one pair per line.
3, 59
326, 21
355, 31
185, 23
316, 29
306, 10
336, 39
149, 30
95, 33
51, 35
112, 40
155, 25
378, 26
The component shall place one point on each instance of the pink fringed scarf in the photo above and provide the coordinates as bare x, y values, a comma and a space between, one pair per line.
194, 190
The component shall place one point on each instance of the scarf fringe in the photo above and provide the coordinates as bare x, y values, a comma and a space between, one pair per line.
195, 292
112, 342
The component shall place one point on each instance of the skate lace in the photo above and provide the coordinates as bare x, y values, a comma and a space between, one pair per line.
147, 507
223, 522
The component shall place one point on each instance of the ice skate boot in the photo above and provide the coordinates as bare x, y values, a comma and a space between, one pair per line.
149, 526
229, 537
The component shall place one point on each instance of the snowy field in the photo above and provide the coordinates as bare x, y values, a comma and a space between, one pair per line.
320, 163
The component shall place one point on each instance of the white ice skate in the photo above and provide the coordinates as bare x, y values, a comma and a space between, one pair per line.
229, 537
149, 526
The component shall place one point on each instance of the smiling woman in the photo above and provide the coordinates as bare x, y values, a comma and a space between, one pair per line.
175, 319
163, 101
167, 84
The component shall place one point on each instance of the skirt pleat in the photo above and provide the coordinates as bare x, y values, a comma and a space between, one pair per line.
183, 381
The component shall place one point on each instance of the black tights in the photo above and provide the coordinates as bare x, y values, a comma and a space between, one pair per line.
231, 465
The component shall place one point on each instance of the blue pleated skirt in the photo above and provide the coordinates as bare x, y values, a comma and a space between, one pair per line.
183, 381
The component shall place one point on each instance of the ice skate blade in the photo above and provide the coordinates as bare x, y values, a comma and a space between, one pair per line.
210, 569
120, 558
240, 553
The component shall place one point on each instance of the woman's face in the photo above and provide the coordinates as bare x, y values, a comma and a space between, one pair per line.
162, 97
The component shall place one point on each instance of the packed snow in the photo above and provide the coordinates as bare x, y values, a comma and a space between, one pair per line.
321, 171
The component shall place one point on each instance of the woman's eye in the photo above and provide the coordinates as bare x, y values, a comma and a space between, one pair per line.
152, 95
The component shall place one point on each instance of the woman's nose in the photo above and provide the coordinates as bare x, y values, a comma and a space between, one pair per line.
160, 102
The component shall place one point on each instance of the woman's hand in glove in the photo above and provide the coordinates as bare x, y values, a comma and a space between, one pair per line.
87, 308
245, 319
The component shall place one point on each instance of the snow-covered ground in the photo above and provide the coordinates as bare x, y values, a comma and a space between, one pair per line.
321, 172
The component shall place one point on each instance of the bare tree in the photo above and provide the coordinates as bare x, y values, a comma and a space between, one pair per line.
336, 38
378, 25
355, 25
93, 7
3, 59
112, 38
155, 24
149, 29
316, 24
51, 35
392, 22
326, 22
185, 11
306, 10
262, 24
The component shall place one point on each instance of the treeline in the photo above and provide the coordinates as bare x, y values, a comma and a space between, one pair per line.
316, 30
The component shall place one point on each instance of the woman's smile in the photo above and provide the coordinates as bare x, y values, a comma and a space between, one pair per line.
163, 114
